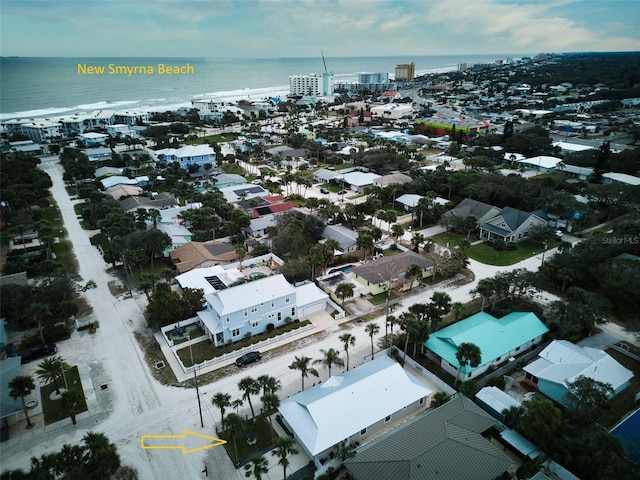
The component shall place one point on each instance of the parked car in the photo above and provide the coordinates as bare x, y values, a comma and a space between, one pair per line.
342, 192
324, 190
38, 351
248, 358
257, 181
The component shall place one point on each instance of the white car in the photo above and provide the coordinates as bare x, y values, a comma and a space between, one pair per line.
257, 181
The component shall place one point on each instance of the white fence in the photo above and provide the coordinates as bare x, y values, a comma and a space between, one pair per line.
431, 377
165, 330
242, 351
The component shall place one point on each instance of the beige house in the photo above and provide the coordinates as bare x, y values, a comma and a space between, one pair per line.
199, 254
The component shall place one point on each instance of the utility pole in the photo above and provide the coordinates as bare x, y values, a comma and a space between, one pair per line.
195, 378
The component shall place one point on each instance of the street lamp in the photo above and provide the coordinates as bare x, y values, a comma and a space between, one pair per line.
195, 378
59, 360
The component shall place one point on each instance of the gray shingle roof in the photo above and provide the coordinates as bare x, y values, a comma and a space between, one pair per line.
386, 268
445, 443
469, 206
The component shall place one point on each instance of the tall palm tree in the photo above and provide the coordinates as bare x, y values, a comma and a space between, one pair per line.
344, 290
249, 386
270, 403
222, 401
409, 323
468, 354
21, 386
70, 401
284, 447
69, 460
50, 371
233, 423
397, 231
269, 384
237, 403
372, 329
413, 272
347, 340
331, 357
302, 364
391, 321
256, 467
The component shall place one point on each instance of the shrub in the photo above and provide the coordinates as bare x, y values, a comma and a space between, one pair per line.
497, 381
270, 327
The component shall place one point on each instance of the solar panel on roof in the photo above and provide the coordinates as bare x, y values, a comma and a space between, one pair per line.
215, 282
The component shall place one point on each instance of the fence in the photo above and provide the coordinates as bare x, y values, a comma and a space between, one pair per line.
243, 350
431, 377
165, 330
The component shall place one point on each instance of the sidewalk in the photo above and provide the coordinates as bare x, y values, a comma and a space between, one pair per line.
321, 323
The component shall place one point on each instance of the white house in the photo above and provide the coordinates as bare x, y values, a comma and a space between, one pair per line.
189, 155
250, 308
562, 362
209, 279
352, 406
356, 181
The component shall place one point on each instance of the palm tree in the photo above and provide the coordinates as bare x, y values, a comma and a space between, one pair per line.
38, 311
233, 423
249, 386
439, 398
269, 384
256, 467
270, 403
69, 460
21, 386
237, 403
302, 364
331, 357
51, 370
409, 323
347, 340
468, 354
414, 272
416, 240
101, 456
344, 451
459, 310
344, 290
222, 401
397, 231
70, 400
372, 329
284, 447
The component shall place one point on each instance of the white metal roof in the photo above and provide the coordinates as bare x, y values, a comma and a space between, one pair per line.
254, 292
497, 399
345, 404
197, 277
309, 293
562, 362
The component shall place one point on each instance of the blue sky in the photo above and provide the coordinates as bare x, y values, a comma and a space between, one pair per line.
299, 28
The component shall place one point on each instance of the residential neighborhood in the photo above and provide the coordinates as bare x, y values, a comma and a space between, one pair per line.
433, 276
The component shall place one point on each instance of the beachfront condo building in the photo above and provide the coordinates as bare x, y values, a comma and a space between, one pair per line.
405, 72
313, 85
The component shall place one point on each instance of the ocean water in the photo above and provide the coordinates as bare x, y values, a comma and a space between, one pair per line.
54, 87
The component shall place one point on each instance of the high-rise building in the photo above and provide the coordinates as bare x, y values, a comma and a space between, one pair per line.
373, 77
312, 84
405, 72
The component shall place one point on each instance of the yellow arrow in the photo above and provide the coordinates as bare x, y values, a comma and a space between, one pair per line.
215, 442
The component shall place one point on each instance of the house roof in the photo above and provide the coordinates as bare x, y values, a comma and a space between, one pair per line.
325, 174
359, 179
496, 399
409, 199
229, 178
235, 193
309, 293
562, 362
622, 178
541, 161
209, 279
495, 337
512, 218
400, 178
120, 191
195, 253
445, 443
326, 414
345, 237
187, 151
469, 206
237, 298
163, 199
386, 268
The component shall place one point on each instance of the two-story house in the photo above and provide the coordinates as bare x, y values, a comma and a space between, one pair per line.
249, 308
189, 155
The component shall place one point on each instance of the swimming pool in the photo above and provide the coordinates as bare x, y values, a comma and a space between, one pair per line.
628, 434
346, 269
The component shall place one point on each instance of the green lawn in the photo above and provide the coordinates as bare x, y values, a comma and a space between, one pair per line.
52, 409
484, 253
331, 187
453, 239
261, 429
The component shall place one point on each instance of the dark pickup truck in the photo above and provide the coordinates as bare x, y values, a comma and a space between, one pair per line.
38, 351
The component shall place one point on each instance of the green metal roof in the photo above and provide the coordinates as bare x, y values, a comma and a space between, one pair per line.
445, 443
494, 336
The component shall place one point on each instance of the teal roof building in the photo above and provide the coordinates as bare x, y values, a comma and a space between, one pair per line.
498, 339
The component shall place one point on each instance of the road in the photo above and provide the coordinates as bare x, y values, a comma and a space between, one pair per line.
135, 404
